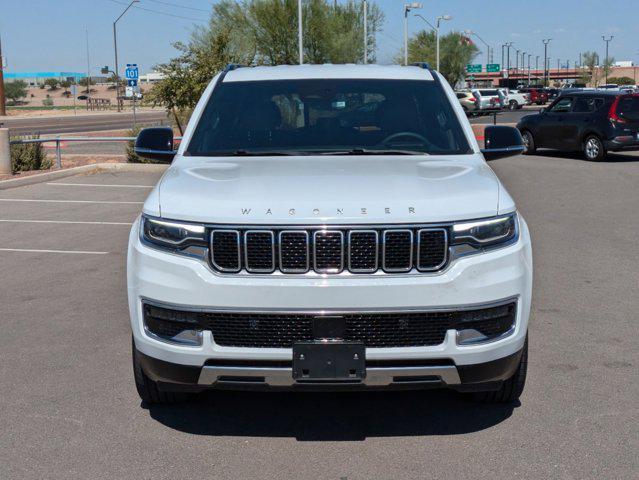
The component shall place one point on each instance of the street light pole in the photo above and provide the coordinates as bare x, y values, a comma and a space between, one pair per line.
508, 45
300, 38
606, 62
3, 110
546, 41
517, 61
470, 32
407, 8
115, 48
365, 32
439, 19
529, 55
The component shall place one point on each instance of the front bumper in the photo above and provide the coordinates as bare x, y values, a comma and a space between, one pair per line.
468, 281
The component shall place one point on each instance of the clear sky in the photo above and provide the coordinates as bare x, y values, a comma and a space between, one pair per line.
43, 35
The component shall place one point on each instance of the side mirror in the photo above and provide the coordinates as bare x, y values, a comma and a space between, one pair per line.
156, 144
501, 142
542, 110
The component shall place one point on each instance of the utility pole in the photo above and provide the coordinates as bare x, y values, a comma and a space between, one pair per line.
606, 66
529, 55
508, 45
365, 32
88, 70
3, 110
115, 48
517, 61
546, 41
502, 56
439, 19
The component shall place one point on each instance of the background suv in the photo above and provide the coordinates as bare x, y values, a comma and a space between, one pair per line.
468, 102
593, 122
488, 99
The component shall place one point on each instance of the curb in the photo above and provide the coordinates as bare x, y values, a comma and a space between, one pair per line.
84, 169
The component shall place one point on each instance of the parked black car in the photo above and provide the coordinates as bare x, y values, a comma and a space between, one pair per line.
552, 93
594, 122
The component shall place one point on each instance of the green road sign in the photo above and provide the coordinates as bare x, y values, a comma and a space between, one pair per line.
473, 68
492, 67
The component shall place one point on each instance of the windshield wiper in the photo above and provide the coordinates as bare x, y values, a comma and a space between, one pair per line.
370, 151
265, 153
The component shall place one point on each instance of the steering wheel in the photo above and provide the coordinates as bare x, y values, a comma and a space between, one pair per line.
419, 137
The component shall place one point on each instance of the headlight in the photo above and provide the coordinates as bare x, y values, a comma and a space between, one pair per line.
172, 235
487, 233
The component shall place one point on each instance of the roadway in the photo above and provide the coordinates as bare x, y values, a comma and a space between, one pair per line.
67, 124
69, 409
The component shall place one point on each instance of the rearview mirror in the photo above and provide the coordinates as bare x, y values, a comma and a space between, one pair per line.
501, 142
156, 144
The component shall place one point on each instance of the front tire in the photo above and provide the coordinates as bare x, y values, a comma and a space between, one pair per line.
512, 388
512, 105
594, 149
529, 142
148, 389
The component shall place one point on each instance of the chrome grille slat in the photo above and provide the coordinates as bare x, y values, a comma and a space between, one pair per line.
226, 253
294, 251
397, 250
363, 251
329, 250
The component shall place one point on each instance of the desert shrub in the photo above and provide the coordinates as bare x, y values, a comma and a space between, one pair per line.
28, 156
47, 102
131, 156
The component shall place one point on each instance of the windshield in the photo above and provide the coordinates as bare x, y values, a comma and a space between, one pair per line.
296, 117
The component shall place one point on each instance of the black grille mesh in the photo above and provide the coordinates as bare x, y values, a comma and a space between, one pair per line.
329, 251
270, 330
398, 250
294, 252
225, 250
259, 248
363, 251
432, 249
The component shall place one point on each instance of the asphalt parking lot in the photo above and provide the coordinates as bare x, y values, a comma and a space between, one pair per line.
68, 406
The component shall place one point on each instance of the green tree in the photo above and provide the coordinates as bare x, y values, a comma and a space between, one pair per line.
455, 52
66, 84
52, 83
15, 91
621, 80
262, 32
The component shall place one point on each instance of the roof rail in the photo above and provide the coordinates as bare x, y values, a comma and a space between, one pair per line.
423, 65
232, 66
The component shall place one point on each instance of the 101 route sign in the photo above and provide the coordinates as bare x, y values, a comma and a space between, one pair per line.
474, 68
131, 73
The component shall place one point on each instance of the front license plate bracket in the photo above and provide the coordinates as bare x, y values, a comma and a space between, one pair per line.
329, 362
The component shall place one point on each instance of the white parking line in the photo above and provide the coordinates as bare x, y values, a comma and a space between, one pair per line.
8, 220
68, 201
29, 250
98, 185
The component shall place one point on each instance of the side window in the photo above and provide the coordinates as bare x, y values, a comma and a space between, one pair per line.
584, 105
562, 106
599, 103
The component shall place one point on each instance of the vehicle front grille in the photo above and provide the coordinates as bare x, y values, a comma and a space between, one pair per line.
377, 329
329, 250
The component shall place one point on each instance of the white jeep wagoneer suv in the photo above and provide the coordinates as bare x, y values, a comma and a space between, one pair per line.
329, 227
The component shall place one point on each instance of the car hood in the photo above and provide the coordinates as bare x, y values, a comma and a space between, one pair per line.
321, 189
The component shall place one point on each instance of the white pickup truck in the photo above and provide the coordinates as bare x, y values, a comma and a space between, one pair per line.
513, 99
329, 227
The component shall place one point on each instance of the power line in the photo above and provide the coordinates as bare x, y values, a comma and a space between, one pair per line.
179, 6
172, 15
